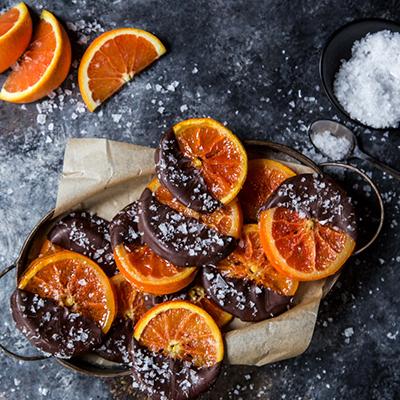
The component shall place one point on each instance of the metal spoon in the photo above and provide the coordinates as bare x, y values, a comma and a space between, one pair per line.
341, 131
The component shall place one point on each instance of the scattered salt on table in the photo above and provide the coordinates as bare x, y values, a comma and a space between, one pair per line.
368, 85
335, 147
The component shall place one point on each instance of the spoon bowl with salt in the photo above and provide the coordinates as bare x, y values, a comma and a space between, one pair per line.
337, 142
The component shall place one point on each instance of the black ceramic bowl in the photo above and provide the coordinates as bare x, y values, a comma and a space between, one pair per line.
338, 48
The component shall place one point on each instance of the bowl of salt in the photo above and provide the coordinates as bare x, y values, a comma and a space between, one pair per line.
360, 72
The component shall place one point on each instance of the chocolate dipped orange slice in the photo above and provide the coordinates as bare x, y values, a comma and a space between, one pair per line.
202, 163
177, 351
308, 227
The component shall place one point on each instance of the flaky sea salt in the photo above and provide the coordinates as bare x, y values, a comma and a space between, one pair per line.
368, 85
41, 119
348, 332
335, 147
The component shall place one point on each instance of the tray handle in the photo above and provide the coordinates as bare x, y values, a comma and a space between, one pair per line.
378, 196
10, 353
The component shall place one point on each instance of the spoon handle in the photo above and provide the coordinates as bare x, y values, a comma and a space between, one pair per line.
383, 167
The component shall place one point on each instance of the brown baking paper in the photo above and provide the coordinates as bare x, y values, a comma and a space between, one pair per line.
103, 176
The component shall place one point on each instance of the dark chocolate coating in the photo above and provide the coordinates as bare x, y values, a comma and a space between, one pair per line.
243, 298
161, 377
124, 226
116, 344
85, 234
52, 328
318, 197
178, 174
182, 240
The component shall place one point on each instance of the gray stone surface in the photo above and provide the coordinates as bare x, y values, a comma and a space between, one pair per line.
253, 64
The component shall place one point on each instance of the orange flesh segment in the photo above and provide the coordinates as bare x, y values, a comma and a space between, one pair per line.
28, 72
7, 20
116, 62
73, 284
220, 161
249, 261
183, 334
130, 302
263, 177
226, 220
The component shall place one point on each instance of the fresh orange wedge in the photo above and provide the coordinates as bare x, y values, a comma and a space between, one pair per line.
149, 272
112, 60
182, 330
263, 177
226, 219
217, 152
249, 262
302, 248
15, 34
74, 281
43, 67
130, 302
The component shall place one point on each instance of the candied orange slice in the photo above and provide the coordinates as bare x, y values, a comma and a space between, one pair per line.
263, 177
43, 67
15, 34
182, 330
302, 248
217, 152
112, 60
249, 261
74, 281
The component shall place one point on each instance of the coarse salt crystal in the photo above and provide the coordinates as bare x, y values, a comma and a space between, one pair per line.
348, 332
41, 119
116, 117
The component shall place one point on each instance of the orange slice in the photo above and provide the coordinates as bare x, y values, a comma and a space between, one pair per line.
263, 177
43, 67
302, 248
74, 281
182, 330
218, 153
112, 60
248, 261
197, 295
149, 272
226, 220
15, 34
130, 302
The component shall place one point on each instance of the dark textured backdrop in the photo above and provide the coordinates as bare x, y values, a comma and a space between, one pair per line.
253, 64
